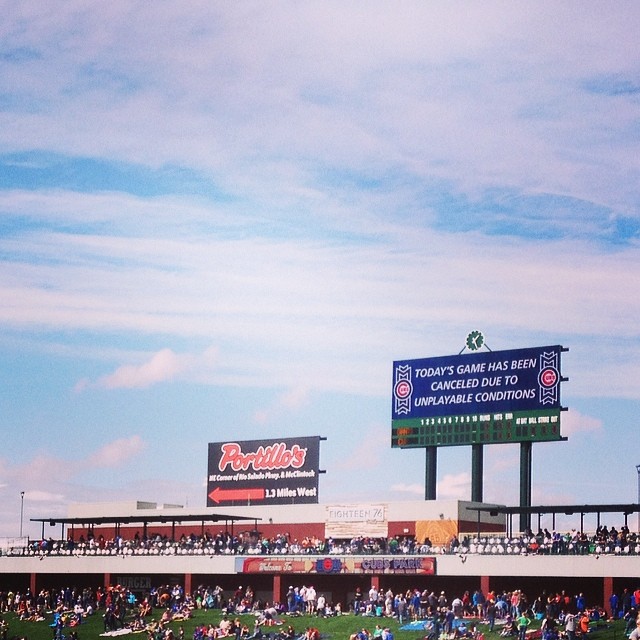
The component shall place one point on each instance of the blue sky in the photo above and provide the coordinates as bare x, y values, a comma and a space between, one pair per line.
228, 219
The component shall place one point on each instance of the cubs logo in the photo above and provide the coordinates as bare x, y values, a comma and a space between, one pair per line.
402, 389
549, 378
328, 565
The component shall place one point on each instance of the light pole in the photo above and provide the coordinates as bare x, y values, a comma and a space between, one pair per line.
638, 470
22, 510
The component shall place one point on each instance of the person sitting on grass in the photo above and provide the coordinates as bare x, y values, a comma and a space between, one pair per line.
224, 627
145, 608
311, 633
509, 628
461, 631
165, 619
287, 633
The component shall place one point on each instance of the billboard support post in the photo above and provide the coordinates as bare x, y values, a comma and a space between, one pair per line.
526, 449
477, 470
431, 473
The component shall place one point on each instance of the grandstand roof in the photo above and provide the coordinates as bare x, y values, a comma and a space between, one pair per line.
566, 509
145, 519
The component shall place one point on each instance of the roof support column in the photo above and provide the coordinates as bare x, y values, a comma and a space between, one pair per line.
607, 592
276, 596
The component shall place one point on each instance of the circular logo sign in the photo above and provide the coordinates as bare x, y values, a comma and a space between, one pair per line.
328, 565
548, 377
475, 340
403, 389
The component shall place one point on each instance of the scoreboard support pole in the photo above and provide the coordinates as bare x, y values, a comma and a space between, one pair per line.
430, 473
477, 471
526, 449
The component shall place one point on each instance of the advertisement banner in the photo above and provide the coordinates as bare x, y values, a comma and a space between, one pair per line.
494, 396
263, 472
402, 564
353, 520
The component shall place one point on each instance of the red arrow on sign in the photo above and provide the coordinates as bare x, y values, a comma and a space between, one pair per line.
222, 495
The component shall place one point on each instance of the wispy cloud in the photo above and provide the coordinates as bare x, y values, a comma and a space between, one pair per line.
414, 490
575, 423
51, 482
454, 486
117, 453
163, 366
291, 400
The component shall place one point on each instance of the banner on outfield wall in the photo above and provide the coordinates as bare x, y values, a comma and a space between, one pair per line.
135, 583
263, 472
13, 543
422, 565
354, 520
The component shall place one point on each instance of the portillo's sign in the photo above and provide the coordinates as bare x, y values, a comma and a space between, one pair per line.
263, 472
416, 565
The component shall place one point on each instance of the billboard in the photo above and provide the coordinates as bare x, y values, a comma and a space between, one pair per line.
353, 520
478, 398
262, 472
402, 564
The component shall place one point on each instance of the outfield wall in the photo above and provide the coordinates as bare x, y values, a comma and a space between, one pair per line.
596, 576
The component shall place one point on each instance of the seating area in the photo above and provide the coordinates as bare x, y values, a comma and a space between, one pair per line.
542, 543
526, 545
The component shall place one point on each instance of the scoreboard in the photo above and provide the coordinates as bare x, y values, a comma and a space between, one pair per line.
480, 398
477, 429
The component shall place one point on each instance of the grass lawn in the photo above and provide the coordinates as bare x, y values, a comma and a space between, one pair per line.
338, 628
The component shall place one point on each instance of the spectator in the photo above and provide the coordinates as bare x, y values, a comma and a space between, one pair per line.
522, 624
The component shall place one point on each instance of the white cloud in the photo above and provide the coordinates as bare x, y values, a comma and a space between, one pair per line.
164, 365
46, 497
474, 95
290, 401
43, 469
281, 328
117, 453
411, 489
51, 482
363, 450
575, 423
454, 486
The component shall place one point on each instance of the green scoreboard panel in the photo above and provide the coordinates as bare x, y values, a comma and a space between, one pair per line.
444, 431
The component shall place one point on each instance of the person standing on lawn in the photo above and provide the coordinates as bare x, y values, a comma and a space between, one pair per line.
523, 623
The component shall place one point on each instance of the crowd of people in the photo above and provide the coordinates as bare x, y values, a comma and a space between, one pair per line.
512, 614
602, 541
468, 615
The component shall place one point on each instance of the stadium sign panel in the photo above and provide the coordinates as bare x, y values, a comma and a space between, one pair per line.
421, 565
479, 398
263, 472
